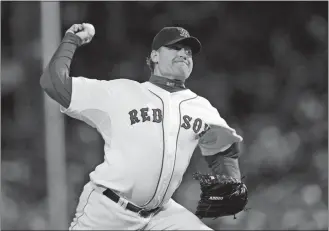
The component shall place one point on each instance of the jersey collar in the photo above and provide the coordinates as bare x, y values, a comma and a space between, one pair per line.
167, 84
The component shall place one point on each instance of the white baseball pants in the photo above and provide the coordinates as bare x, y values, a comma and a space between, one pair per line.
97, 212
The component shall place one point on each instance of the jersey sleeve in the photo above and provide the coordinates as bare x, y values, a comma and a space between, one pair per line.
90, 100
220, 135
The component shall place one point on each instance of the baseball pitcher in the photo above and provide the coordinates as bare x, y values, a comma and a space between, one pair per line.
150, 130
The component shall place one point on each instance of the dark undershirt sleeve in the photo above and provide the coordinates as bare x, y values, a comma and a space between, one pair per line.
226, 162
55, 80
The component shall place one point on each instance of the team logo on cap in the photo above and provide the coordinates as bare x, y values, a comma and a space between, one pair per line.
183, 32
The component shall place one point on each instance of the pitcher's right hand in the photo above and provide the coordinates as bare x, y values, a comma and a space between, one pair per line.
84, 31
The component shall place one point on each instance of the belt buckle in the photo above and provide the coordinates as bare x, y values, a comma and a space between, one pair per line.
142, 214
148, 213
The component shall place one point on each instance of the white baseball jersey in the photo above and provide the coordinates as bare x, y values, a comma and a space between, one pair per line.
150, 135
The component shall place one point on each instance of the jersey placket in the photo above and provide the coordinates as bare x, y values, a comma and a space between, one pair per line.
172, 120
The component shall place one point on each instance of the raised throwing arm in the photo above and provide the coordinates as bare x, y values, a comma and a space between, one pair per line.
55, 79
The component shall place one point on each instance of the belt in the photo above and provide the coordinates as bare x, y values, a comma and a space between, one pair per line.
142, 212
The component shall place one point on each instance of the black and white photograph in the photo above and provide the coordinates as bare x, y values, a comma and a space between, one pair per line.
164, 115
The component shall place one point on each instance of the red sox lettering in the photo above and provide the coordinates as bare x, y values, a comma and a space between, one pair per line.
196, 125
142, 115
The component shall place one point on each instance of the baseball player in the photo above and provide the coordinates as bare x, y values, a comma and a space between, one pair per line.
150, 130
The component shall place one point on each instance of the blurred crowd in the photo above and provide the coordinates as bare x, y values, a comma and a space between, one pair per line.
264, 66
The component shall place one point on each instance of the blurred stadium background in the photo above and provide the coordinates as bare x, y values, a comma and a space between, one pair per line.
264, 66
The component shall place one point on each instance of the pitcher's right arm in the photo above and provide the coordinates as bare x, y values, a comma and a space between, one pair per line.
55, 80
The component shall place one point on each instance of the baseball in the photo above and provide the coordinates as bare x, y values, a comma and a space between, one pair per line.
90, 28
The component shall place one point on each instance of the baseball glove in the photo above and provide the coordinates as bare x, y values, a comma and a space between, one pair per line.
220, 196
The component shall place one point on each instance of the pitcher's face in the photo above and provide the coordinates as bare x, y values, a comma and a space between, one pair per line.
173, 61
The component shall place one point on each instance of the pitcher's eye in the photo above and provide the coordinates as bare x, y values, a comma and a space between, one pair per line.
188, 51
178, 47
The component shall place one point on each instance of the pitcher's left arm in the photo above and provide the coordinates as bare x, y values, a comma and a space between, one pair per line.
223, 193
220, 145
226, 162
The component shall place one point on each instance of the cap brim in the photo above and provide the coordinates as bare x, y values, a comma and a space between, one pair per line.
192, 42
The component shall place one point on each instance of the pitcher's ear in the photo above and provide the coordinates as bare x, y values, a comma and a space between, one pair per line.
155, 56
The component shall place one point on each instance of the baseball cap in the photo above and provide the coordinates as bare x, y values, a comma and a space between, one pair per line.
172, 35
